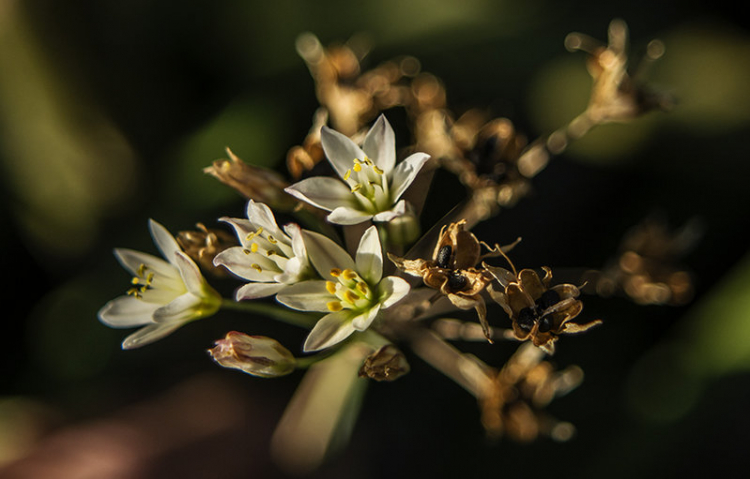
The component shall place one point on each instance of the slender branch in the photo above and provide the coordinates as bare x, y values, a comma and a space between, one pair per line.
285, 315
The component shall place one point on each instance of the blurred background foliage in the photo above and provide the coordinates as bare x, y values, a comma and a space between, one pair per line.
109, 111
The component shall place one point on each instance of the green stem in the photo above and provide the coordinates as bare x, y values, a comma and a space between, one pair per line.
306, 362
295, 318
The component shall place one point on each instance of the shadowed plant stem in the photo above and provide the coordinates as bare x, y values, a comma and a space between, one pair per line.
285, 315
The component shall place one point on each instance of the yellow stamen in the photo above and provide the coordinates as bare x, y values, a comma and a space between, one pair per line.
335, 272
254, 248
348, 174
351, 296
150, 278
362, 287
246, 251
334, 306
134, 292
135, 280
349, 274
271, 252
356, 188
357, 167
377, 170
368, 161
253, 235
331, 287
256, 267
272, 240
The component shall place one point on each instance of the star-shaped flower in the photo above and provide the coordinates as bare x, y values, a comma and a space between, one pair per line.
268, 257
165, 294
353, 294
371, 184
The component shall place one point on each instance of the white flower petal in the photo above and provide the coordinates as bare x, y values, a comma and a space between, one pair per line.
258, 290
182, 309
127, 312
329, 330
346, 215
306, 296
364, 320
298, 245
340, 150
149, 334
190, 273
380, 145
241, 264
386, 216
164, 240
242, 228
392, 289
323, 192
325, 255
132, 260
405, 173
370, 256
261, 215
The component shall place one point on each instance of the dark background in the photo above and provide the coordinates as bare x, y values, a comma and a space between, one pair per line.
109, 110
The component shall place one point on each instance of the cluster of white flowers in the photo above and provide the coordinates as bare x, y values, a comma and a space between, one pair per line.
306, 271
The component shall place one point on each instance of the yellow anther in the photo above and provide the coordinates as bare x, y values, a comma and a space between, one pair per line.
135, 280
271, 252
150, 278
254, 234
254, 248
368, 161
246, 251
357, 167
349, 274
351, 296
335, 272
272, 240
142, 269
377, 170
347, 174
331, 287
256, 267
362, 287
356, 188
334, 306
134, 292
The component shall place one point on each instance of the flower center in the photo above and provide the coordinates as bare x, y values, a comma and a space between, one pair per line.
369, 185
142, 282
350, 291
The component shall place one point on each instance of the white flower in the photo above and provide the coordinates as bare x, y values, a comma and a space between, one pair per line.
371, 186
353, 297
165, 294
271, 259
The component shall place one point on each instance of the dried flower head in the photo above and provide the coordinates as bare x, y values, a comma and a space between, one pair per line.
452, 269
204, 244
616, 95
648, 267
386, 364
252, 182
538, 311
514, 398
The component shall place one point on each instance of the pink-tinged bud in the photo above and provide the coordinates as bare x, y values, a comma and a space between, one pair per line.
256, 355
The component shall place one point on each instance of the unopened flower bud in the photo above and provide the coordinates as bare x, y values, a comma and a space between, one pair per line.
385, 364
252, 182
404, 229
256, 355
